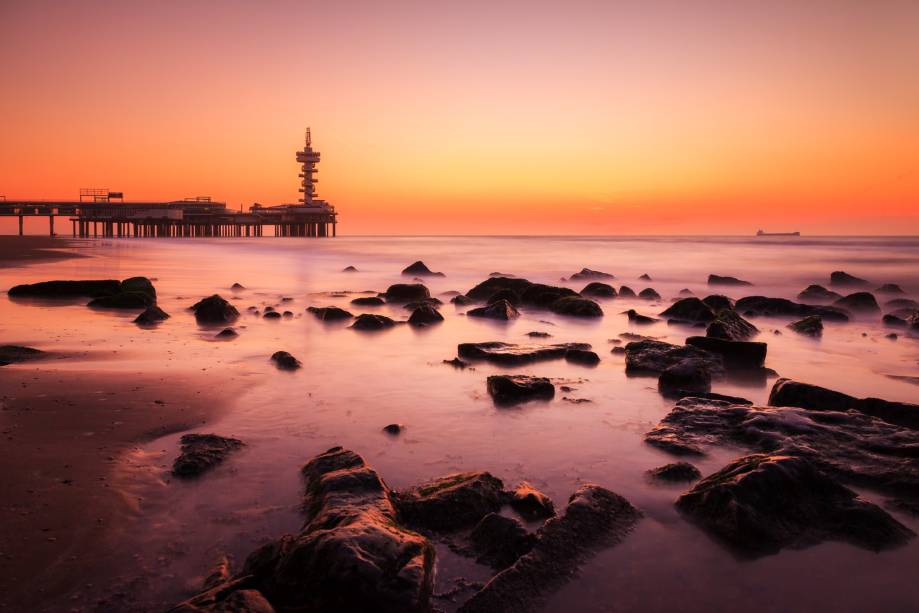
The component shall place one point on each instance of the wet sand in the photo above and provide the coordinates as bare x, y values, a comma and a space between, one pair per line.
63, 436
21, 250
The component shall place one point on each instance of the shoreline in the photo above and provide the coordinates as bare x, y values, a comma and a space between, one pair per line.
24, 250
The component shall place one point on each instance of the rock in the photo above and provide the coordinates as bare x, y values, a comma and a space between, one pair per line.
11, 354
351, 555
587, 273
650, 356
512, 389
487, 288
288, 314
649, 294
595, 517
425, 316
818, 293
583, 357
893, 321
689, 310
452, 502
237, 287
349, 269
901, 303
227, 597
761, 305
227, 333
506, 295
271, 315
645, 277
214, 310
851, 446
418, 269
544, 296
679, 394
141, 285
427, 302
502, 309
599, 290
675, 472
889, 288
626, 292
617, 350
732, 281
457, 363
66, 289
461, 300
691, 375
285, 361
329, 313
508, 354
537, 334
499, 541
760, 504
151, 316
863, 302
576, 306
370, 301
406, 292
686, 292
718, 303
736, 354
728, 325
789, 393
637, 318
123, 300
531, 503
367, 321
891, 336
202, 452
809, 326
393, 429
844, 279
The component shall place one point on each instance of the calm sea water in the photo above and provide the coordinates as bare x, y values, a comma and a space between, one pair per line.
352, 384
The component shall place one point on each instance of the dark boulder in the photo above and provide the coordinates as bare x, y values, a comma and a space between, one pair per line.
214, 310
861, 302
508, 354
271, 315
626, 292
66, 289
718, 303
538, 334
890, 288
576, 306
587, 273
730, 281
406, 292
393, 429
595, 517
690, 375
686, 292
844, 279
367, 321
141, 285
809, 326
676, 472
424, 316
544, 296
285, 361
499, 541
512, 389
736, 354
599, 290
893, 321
329, 313
690, 310
760, 504
123, 300
11, 354
584, 357
637, 318
368, 301
501, 309
202, 452
151, 316
427, 302
227, 333
506, 295
452, 502
901, 303
730, 326
531, 503
461, 300
487, 288
649, 294
456, 363
237, 287
349, 269
650, 356
818, 293
789, 393
418, 269
679, 394
645, 277
761, 305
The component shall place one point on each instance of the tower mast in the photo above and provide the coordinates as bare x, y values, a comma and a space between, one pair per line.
308, 160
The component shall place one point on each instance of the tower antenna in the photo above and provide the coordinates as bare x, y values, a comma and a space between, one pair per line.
309, 140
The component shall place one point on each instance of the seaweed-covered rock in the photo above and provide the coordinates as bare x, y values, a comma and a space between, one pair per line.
809, 326
487, 288
691, 374
508, 354
151, 316
736, 354
844, 279
576, 306
419, 269
818, 293
499, 541
202, 452
452, 502
66, 289
690, 310
595, 517
214, 310
584, 357
587, 273
513, 389
531, 503
11, 354
502, 309
761, 305
599, 290
425, 315
649, 294
368, 321
285, 361
863, 302
329, 313
675, 472
650, 356
637, 318
760, 504
728, 325
731, 281
790, 393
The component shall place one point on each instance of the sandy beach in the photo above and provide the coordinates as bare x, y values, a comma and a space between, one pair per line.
22, 250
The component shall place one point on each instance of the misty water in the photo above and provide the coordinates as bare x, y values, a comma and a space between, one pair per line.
352, 384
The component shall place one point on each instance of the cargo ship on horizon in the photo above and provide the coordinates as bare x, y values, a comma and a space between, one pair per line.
761, 233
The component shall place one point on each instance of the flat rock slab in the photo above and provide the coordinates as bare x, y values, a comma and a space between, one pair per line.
760, 504
202, 452
452, 502
509, 354
66, 289
654, 357
513, 389
595, 517
735, 354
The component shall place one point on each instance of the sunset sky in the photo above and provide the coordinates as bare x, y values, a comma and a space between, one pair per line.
478, 117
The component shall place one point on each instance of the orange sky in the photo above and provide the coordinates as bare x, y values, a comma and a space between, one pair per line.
478, 117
